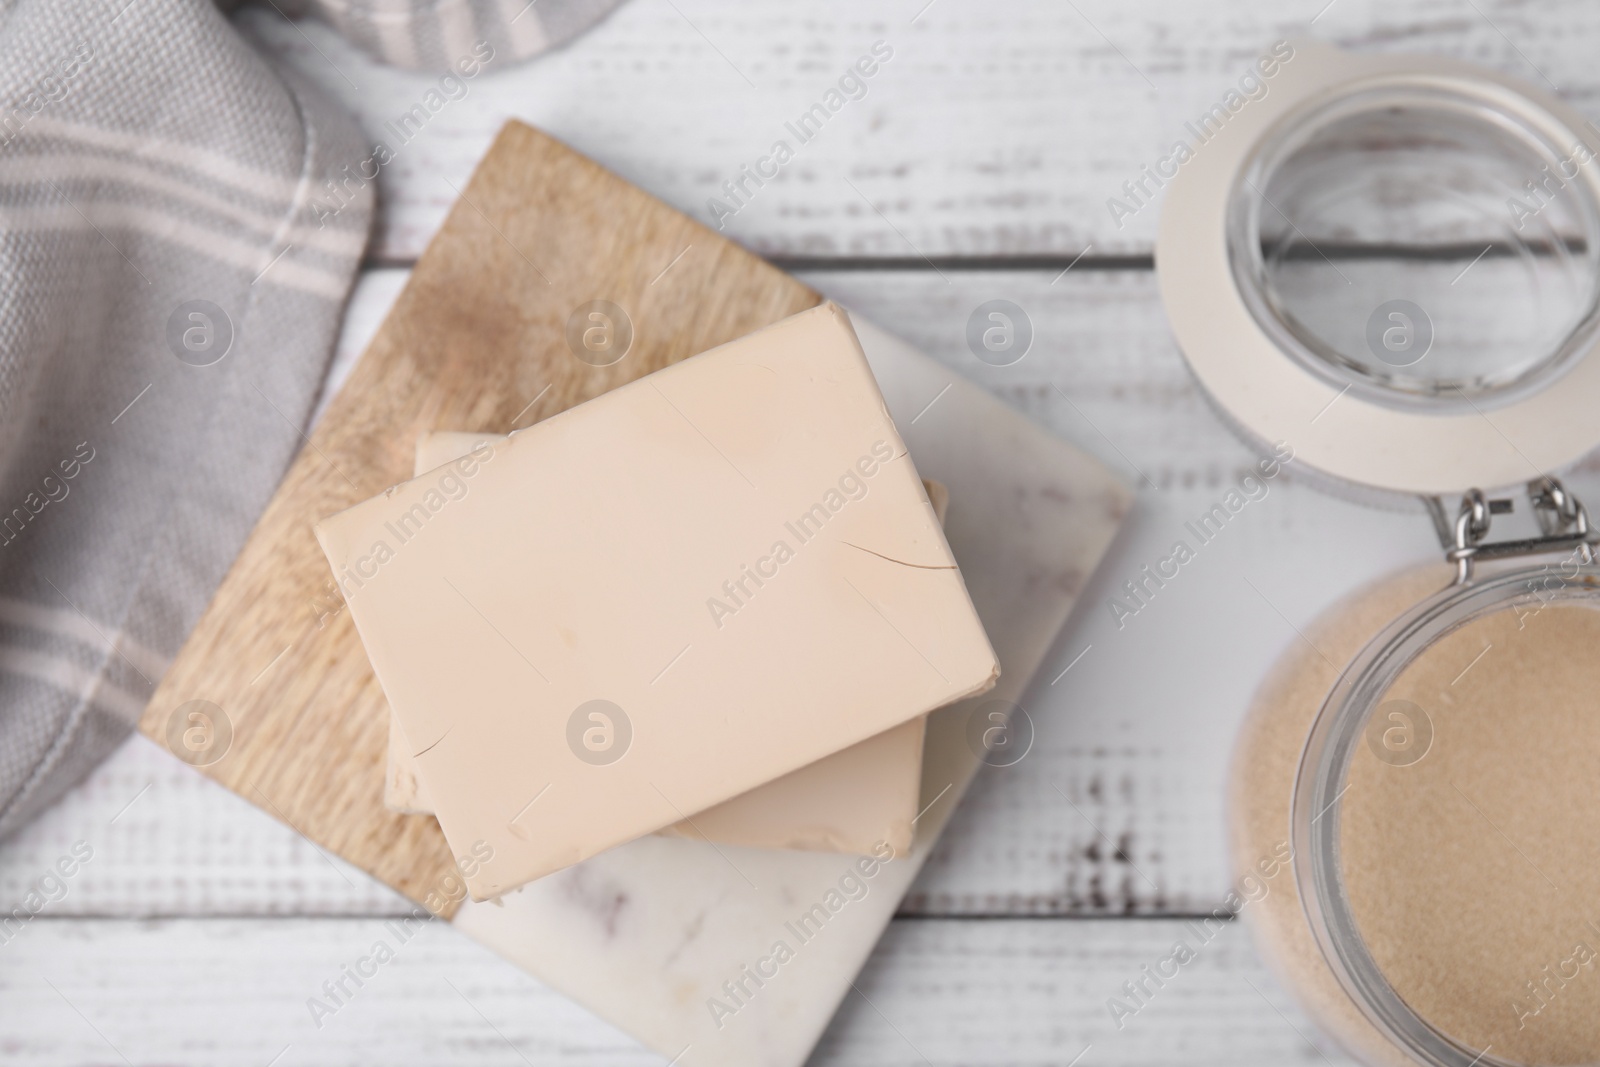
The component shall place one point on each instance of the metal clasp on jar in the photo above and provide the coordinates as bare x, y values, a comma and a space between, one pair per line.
1563, 525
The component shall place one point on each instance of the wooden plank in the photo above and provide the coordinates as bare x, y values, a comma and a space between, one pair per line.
991, 131
476, 341
166, 841
235, 992
1030, 993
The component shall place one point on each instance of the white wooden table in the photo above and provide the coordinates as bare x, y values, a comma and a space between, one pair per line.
977, 166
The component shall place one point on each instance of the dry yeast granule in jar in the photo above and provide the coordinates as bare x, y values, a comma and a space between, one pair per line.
1467, 823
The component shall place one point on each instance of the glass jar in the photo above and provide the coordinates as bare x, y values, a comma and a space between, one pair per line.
1392, 264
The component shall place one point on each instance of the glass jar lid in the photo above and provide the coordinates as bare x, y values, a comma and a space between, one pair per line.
1393, 265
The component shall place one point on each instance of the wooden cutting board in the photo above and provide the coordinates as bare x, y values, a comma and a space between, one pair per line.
477, 341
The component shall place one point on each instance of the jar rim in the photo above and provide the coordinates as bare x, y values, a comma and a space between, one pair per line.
1345, 434
1472, 102
1320, 783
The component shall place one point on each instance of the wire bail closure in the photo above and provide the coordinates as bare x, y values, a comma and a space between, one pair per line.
1563, 525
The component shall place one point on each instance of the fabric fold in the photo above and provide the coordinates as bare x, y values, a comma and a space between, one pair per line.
170, 304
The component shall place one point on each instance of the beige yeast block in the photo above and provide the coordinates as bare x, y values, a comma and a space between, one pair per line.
735, 554
847, 802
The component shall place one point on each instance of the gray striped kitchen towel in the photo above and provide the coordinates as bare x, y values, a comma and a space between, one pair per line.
171, 283
437, 34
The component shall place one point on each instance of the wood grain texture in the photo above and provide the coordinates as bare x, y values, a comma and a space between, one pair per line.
994, 131
954, 993
476, 341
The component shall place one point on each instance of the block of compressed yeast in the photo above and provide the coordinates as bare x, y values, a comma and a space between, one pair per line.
644, 606
847, 802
